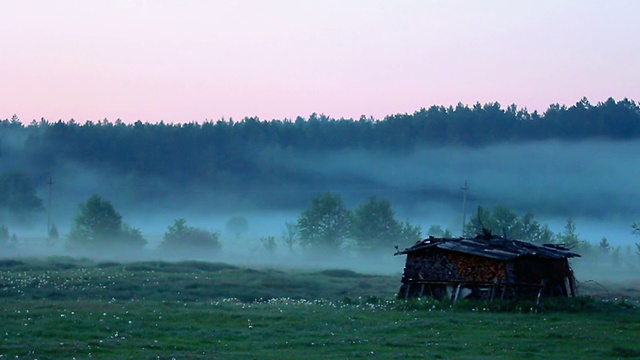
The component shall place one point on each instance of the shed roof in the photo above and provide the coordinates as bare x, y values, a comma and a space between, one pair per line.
494, 247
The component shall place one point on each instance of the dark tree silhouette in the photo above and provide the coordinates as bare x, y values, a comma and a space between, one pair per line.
324, 226
99, 226
183, 239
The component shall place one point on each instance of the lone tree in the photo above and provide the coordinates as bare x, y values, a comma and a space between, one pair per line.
99, 225
569, 237
374, 227
324, 226
290, 235
183, 239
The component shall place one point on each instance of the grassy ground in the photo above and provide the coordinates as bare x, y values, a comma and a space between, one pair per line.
65, 309
68, 279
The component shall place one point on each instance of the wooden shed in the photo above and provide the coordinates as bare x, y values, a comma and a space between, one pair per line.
486, 267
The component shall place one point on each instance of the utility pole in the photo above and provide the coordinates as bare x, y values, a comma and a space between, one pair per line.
50, 182
464, 206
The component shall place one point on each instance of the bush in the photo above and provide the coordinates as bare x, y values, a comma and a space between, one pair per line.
181, 238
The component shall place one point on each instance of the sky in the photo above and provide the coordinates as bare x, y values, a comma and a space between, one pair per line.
196, 60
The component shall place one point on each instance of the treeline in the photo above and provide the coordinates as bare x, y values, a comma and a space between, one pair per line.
326, 229
503, 221
223, 151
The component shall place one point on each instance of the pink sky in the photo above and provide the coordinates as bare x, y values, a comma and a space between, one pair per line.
182, 61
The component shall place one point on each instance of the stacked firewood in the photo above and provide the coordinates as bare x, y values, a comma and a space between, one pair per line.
478, 269
453, 266
434, 267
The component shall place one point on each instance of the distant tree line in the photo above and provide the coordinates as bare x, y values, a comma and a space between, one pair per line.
325, 229
223, 152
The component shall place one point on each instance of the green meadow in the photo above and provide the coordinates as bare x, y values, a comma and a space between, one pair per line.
66, 308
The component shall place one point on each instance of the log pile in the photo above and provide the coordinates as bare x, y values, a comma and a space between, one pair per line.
435, 267
486, 269
454, 267
478, 269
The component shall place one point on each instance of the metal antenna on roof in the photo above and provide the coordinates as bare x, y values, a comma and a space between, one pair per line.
464, 206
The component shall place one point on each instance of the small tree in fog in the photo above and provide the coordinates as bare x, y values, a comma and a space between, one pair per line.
99, 225
269, 244
438, 232
4, 235
181, 237
324, 225
410, 234
604, 245
636, 231
290, 235
615, 255
237, 225
531, 230
14, 240
569, 237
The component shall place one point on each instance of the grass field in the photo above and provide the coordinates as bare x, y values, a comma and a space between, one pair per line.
65, 308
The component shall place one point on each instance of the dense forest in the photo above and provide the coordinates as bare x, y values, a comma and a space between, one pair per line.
272, 162
224, 152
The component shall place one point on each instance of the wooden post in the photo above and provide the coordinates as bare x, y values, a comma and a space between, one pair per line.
539, 298
406, 292
455, 298
492, 293
572, 286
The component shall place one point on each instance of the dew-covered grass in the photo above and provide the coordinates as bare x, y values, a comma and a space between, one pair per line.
290, 329
186, 281
157, 310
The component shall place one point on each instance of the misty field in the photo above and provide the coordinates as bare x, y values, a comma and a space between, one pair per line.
65, 308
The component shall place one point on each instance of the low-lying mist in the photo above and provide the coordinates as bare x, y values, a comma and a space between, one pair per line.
593, 182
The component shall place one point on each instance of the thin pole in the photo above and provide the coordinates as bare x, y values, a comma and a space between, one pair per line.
50, 182
464, 206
